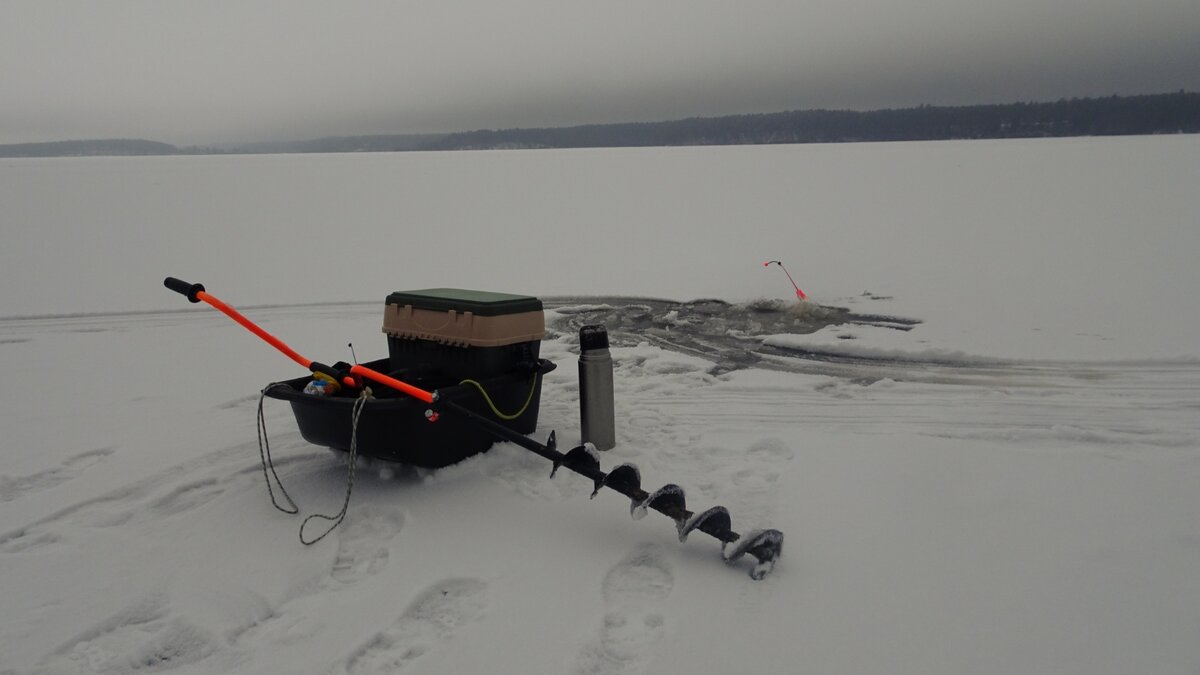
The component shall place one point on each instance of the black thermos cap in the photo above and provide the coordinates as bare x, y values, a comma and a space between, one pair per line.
593, 337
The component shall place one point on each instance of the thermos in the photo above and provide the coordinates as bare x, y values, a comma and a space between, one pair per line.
596, 413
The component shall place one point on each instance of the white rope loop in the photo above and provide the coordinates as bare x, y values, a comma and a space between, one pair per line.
265, 456
341, 515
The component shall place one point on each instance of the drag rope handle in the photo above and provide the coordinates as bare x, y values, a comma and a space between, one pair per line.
341, 515
265, 456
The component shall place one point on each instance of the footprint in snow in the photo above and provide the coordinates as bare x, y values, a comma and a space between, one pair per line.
141, 638
13, 487
633, 623
770, 450
364, 539
136, 503
750, 488
106, 511
149, 500
187, 497
26, 541
435, 617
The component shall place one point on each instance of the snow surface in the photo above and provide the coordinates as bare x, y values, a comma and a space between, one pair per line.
1009, 486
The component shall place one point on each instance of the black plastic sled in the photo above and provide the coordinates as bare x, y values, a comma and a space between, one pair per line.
395, 427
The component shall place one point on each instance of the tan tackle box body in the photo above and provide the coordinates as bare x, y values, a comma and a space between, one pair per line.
465, 332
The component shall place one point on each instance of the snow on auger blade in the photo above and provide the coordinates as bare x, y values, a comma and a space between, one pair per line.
764, 545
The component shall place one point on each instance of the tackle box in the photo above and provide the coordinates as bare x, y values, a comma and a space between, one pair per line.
462, 333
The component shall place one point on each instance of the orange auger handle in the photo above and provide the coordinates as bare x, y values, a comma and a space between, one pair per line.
403, 387
196, 293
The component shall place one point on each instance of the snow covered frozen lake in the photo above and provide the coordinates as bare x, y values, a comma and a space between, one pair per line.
981, 439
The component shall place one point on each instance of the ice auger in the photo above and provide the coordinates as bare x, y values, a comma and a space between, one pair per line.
764, 545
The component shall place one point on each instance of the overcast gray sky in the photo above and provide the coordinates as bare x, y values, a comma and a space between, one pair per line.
200, 71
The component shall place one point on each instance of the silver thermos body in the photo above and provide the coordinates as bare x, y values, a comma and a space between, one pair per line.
596, 411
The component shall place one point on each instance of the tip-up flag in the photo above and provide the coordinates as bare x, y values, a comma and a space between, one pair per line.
799, 293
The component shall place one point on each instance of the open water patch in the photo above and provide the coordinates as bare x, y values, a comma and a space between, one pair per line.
728, 334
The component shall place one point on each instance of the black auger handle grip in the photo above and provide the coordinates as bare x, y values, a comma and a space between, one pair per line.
184, 288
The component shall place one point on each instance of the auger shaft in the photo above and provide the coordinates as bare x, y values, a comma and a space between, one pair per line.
765, 545
634, 493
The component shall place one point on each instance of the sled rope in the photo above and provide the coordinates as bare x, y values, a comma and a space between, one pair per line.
361, 403
264, 453
265, 456
495, 410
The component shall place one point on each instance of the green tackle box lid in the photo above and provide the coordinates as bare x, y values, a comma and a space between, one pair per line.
480, 303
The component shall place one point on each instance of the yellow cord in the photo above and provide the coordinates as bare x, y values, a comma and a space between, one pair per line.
493, 405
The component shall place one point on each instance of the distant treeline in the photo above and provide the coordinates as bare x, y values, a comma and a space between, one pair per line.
1116, 115
375, 143
1112, 116
134, 147
111, 147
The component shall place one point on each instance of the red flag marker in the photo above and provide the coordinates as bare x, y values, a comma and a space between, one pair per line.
799, 293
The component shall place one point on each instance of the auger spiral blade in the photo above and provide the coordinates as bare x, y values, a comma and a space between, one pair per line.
668, 499
580, 459
624, 479
713, 521
764, 545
